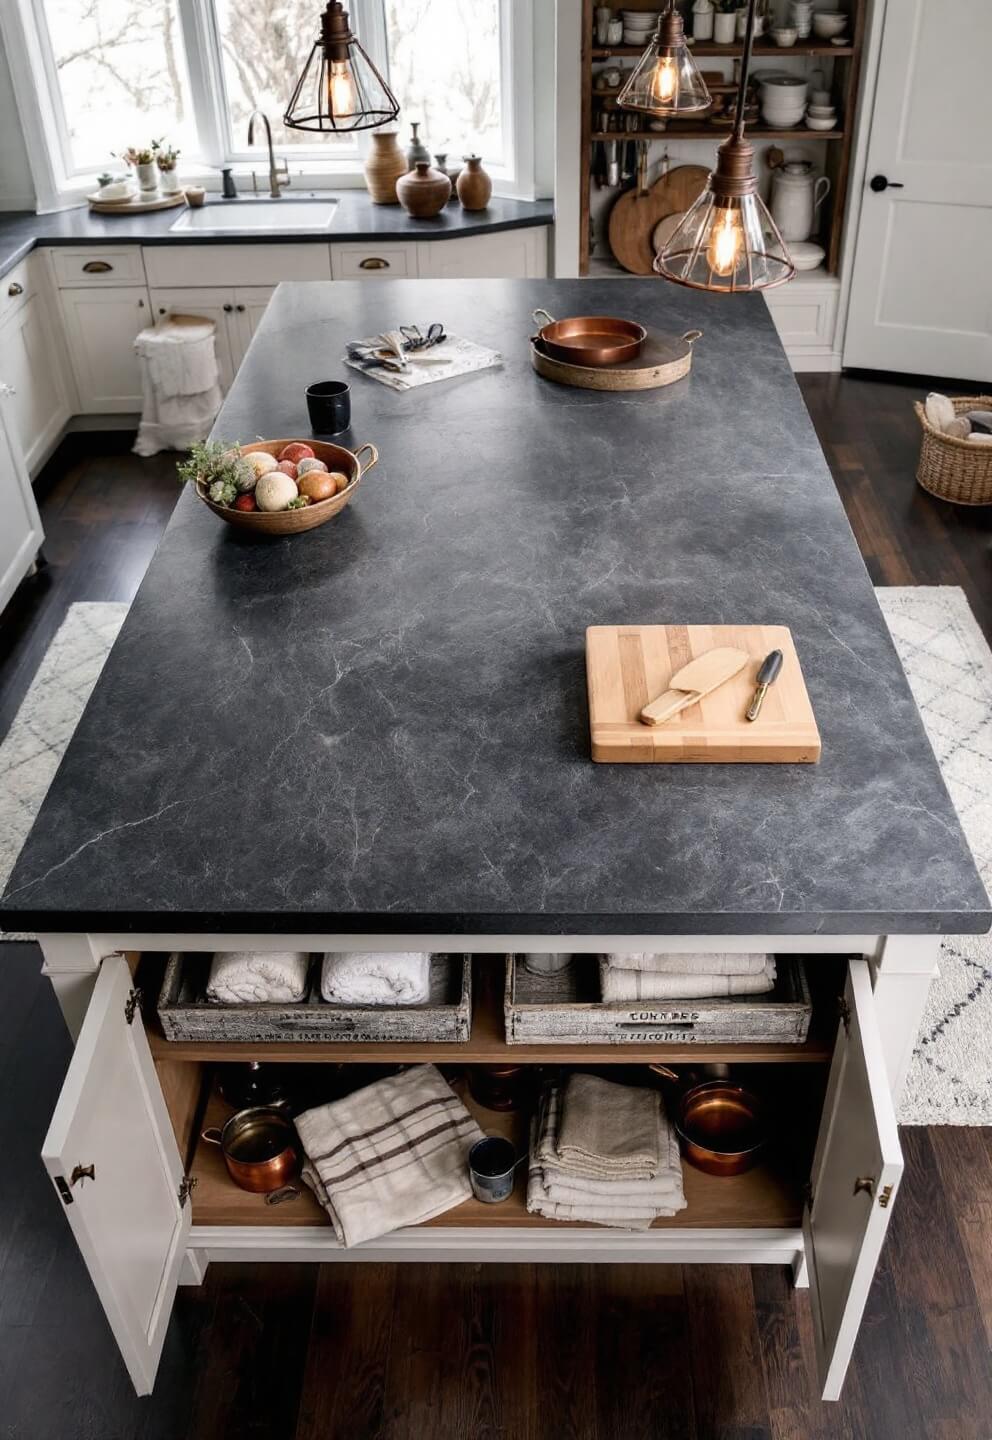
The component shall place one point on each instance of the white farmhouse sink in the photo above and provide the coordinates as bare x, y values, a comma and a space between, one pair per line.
250, 216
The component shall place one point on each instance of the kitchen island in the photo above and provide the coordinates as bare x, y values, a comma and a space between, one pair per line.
375, 734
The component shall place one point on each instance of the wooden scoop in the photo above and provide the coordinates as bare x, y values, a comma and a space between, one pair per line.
693, 681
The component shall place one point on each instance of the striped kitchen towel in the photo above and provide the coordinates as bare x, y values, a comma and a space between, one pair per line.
393, 1154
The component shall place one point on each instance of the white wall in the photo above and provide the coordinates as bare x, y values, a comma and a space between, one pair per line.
16, 187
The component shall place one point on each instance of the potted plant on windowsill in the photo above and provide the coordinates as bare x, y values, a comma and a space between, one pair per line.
166, 158
142, 158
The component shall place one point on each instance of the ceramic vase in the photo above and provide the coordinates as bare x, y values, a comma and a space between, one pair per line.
416, 150
385, 165
169, 181
702, 20
474, 186
724, 27
147, 177
424, 191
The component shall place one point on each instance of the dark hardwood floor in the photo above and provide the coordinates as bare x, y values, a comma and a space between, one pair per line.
488, 1352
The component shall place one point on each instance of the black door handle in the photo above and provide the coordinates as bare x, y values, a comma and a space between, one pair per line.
882, 182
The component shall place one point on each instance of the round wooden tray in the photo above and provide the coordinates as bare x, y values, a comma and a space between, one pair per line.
135, 206
663, 360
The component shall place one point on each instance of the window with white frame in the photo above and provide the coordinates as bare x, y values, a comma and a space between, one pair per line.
110, 74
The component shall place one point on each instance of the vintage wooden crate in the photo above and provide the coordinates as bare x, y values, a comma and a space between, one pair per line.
186, 1014
551, 1009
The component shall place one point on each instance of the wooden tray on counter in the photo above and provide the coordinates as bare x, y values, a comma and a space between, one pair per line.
663, 360
629, 665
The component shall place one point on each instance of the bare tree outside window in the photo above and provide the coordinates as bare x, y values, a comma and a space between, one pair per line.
444, 69
122, 76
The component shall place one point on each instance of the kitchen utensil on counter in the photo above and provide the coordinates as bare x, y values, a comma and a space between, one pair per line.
690, 683
329, 406
636, 213
424, 192
628, 664
663, 360
291, 522
721, 1126
797, 195
591, 339
259, 1146
767, 675
492, 1164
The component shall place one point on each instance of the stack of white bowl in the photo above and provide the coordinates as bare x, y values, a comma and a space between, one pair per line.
783, 101
829, 24
821, 113
801, 17
639, 26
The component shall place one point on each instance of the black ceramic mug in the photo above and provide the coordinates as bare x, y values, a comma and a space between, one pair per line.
329, 404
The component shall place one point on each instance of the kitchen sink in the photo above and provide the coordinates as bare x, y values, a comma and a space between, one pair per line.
250, 216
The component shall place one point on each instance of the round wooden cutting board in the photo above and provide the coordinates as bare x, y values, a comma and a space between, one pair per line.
635, 215
663, 360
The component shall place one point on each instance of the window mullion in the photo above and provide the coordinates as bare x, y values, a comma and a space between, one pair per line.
203, 62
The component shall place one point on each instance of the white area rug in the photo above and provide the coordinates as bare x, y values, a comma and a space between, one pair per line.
949, 666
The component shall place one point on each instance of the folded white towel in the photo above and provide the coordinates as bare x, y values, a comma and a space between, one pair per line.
620, 986
393, 1154
691, 964
240, 977
377, 978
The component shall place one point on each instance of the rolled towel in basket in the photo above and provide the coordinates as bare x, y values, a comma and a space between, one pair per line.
376, 978
241, 977
619, 986
691, 964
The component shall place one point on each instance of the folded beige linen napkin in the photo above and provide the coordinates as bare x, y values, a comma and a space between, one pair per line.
607, 1129
691, 964
393, 1154
618, 986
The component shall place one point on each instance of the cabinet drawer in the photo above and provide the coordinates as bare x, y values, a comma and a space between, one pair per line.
98, 265
807, 315
511, 254
374, 262
188, 265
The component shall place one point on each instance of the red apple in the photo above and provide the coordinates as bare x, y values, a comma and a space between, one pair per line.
288, 468
245, 502
296, 451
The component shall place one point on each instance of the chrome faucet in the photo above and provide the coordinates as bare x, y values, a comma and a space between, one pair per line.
277, 178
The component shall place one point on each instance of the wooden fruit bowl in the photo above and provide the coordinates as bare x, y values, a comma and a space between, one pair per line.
292, 522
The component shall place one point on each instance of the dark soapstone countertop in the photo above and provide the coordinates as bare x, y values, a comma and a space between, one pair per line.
381, 724
357, 219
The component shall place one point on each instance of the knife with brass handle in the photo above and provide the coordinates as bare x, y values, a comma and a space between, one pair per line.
770, 668
688, 685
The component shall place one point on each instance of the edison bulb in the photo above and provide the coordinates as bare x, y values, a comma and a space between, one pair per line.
341, 89
726, 242
666, 80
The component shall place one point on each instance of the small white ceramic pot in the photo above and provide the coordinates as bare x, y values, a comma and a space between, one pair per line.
724, 27
147, 177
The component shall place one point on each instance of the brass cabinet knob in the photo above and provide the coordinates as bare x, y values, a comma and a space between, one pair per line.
14, 288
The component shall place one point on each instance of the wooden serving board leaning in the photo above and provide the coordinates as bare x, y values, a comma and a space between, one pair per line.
628, 666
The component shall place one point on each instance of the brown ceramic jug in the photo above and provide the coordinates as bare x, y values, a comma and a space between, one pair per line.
474, 185
385, 165
424, 191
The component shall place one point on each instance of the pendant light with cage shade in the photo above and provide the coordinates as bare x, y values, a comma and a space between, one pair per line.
340, 90
727, 242
665, 80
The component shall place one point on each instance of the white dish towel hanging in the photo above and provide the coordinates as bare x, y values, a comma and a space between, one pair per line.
180, 384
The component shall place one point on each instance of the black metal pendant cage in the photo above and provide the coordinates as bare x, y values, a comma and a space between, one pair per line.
340, 90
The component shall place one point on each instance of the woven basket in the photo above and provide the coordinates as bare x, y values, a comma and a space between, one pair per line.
292, 522
953, 469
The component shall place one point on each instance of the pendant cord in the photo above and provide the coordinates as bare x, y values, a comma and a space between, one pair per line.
745, 70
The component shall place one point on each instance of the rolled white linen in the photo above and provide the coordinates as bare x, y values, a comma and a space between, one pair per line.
692, 964
619, 986
376, 978
242, 977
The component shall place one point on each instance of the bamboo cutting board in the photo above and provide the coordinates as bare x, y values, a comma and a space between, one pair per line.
627, 666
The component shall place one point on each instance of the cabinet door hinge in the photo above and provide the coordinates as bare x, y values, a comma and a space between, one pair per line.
131, 1004
186, 1187
885, 1196
63, 1189
844, 1011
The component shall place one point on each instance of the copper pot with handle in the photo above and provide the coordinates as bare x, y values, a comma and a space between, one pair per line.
260, 1148
590, 339
721, 1126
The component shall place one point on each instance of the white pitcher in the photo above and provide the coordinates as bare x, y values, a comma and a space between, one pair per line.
796, 197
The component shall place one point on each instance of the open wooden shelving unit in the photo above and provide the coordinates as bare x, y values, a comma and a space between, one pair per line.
837, 152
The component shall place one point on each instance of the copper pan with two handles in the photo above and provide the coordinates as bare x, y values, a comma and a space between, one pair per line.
590, 339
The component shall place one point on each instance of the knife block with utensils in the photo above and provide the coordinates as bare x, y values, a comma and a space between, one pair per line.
630, 666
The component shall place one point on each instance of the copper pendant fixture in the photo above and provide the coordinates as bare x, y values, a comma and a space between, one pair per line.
728, 242
340, 90
665, 80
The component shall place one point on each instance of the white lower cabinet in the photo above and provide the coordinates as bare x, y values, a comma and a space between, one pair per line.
101, 323
113, 1153
250, 303
510, 254
210, 304
30, 365
805, 316
20, 524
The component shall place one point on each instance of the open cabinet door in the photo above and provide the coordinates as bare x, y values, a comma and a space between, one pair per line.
856, 1171
112, 1155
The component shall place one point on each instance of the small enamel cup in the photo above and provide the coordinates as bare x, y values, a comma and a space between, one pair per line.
491, 1165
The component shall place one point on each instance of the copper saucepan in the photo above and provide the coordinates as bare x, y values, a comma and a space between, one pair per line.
721, 1126
590, 339
259, 1148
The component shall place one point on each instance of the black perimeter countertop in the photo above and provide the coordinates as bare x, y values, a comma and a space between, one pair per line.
381, 724
356, 219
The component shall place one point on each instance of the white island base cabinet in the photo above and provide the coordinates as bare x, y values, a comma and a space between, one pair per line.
20, 524
151, 1208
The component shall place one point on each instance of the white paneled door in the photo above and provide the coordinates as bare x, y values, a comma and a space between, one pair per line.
921, 295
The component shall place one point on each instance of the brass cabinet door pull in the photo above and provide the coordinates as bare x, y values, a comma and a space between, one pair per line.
373, 262
97, 267
14, 288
